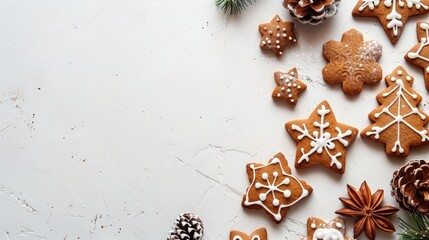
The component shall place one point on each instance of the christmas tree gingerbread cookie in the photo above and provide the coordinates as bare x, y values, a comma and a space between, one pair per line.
392, 14
419, 54
273, 188
319, 229
276, 35
259, 234
321, 139
288, 86
397, 122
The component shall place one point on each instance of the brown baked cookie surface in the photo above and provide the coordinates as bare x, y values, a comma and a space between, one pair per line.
419, 54
288, 86
321, 139
276, 35
273, 188
352, 62
259, 234
398, 123
392, 14
320, 229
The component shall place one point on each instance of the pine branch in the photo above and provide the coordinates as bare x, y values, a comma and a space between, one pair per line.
233, 6
417, 230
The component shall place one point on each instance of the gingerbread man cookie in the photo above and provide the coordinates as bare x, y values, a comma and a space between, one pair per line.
352, 62
392, 14
397, 122
419, 54
276, 35
321, 139
273, 188
319, 229
288, 86
259, 234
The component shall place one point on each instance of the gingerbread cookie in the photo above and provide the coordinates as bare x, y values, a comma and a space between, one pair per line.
419, 54
366, 208
288, 86
273, 188
276, 35
321, 139
259, 234
397, 122
392, 14
319, 229
352, 62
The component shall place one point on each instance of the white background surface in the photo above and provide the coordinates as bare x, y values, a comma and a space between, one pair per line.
116, 116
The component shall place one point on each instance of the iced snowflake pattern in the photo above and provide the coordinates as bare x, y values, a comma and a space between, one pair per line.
322, 141
395, 18
424, 43
399, 117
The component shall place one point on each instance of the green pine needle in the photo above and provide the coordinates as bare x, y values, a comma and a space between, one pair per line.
417, 230
233, 6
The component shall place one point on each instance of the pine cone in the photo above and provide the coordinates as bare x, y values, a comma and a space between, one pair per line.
312, 11
187, 227
410, 186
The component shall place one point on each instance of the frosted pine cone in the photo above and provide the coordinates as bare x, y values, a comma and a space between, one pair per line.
187, 227
312, 11
410, 186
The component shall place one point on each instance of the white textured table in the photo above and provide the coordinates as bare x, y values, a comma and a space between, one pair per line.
116, 116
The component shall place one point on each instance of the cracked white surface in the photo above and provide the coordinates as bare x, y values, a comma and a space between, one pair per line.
117, 115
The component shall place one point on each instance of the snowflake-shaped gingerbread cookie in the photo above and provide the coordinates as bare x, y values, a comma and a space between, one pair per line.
276, 35
321, 139
352, 62
273, 188
288, 86
322, 230
259, 234
392, 14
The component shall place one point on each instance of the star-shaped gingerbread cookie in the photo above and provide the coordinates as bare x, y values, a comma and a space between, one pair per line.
419, 54
352, 62
288, 86
276, 35
392, 14
321, 139
319, 229
259, 234
273, 188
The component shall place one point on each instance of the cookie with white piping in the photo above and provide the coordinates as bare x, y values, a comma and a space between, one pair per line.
392, 14
259, 234
397, 122
321, 139
288, 86
273, 188
419, 54
352, 62
320, 229
276, 35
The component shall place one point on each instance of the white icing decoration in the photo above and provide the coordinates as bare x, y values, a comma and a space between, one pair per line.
398, 118
313, 225
423, 43
395, 18
338, 225
287, 84
327, 234
236, 237
273, 187
256, 237
321, 140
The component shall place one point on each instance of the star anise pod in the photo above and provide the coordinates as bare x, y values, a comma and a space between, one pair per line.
366, 208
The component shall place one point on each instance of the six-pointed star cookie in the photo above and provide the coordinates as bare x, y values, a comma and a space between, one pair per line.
392, 14
273, 188
321, 139
419, 54
288, 86
259, 234
352, 62
276, 35
319, 229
